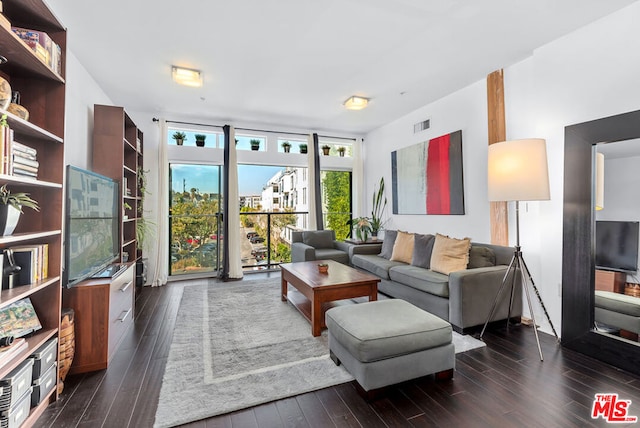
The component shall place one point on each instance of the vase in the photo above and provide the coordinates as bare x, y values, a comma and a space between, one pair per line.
200, 143
325, 151
9, 217
287, 149
180, 141
5, 94
303, 150
255, 148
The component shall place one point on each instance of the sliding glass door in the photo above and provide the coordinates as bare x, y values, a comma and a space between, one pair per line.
195, 220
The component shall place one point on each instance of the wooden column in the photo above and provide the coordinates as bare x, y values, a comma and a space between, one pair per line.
496, 123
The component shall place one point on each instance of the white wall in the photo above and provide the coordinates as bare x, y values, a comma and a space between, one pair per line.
588, 74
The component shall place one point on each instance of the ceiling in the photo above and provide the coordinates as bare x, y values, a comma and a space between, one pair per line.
293, 62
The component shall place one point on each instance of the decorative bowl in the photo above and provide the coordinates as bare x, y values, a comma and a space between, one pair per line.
323, 268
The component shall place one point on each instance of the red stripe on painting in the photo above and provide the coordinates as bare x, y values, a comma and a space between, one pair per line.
438, 188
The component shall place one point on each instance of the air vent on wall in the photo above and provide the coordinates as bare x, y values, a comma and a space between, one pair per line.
421, 126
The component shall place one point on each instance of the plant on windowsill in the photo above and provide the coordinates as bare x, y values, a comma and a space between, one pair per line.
341, 151
200, 139
286, 146
255, 145
179, 137
11, 207
325, 149
303, 148
379, 205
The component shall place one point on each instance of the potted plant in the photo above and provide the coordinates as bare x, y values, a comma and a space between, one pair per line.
325, 149
125, 207
379, 205
200, 139
362, 226
179, 137
11, 207
303, 148
341, 151
255, 145
286, 146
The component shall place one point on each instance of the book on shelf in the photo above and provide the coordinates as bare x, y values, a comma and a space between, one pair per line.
21, 160
17, 158
25, 151
8, 352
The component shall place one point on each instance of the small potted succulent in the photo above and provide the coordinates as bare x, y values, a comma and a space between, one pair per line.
341, 150
323, 268
179, 137
200, 139
303, 148
255, 145
325, 149
286, 146
11, 207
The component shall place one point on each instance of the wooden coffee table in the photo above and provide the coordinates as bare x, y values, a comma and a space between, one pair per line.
318, 291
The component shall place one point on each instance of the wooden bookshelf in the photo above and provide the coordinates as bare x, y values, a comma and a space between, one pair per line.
43, 94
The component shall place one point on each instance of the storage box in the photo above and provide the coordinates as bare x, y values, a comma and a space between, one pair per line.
38, 41
44, 358
43, 385
16, 383
18, 413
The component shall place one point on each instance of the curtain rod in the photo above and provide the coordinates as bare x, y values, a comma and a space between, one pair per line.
155, 119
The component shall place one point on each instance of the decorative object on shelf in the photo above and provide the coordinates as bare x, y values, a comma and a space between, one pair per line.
200, 139
5, 89
66, 345
303, 148
11, 207
16, 108
286, 146
145, 228
125, 207
20, 319
325, 149
323, 268
255, 145
379, 205
179, 137
341, 151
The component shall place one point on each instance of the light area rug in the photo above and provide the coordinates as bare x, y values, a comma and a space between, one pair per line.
237, 345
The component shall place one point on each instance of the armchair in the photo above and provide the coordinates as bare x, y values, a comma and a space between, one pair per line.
318, 245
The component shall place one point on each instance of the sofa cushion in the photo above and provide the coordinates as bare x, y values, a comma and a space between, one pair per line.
318, 238
375, 264
421, 279
481, 257
388, 243
616, 302
403, 247
384, 329
422, 248
450, 254
332, 254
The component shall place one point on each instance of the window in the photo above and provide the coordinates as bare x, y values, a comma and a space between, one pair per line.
336, 201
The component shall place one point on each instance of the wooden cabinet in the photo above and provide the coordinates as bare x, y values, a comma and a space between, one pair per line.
103, 313
117, 153
43, 95
610, 281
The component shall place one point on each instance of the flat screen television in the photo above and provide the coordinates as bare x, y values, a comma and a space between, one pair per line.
617, 246
92, 224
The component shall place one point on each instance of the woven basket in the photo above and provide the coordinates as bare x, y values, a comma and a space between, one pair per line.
632, 289
66, 346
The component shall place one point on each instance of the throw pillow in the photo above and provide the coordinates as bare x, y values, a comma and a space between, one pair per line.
403, 247
481, 257
450, 254
422, 248
321, 239
388, 243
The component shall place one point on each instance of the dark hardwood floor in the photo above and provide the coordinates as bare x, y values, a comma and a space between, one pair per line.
502, 385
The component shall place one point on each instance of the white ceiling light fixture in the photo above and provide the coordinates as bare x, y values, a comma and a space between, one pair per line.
186, 76
356, 103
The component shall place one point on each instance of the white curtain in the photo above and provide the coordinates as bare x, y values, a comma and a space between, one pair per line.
357, 197
161, 272
233, 216
311, 184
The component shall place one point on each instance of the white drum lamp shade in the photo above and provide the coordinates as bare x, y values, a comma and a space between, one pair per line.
518, 171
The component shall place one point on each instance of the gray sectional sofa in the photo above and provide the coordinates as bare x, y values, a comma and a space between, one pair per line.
464, 297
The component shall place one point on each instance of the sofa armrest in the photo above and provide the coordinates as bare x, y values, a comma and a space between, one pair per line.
341, 245
302, 252
473, 291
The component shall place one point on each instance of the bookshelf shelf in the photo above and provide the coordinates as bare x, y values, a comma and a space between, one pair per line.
22, 237
33, 343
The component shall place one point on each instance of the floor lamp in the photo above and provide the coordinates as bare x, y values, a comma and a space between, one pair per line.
518, 172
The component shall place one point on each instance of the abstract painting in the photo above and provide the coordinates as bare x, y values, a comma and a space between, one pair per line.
427, 177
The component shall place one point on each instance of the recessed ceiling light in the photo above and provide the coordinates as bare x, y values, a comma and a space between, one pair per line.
186, 76
356, 103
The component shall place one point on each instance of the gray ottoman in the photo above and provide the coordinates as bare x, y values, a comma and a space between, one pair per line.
386, 342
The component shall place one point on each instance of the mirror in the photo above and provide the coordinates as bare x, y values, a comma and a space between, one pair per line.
617, 220
578, 252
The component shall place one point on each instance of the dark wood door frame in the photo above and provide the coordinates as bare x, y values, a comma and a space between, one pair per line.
578, 265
